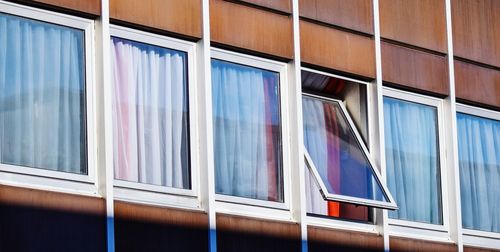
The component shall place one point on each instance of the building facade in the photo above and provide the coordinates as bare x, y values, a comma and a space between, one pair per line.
251, 125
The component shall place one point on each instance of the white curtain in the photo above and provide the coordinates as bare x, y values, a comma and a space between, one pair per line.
479, 162
150, 116
245, 153
315, 142
41, 95
412, 160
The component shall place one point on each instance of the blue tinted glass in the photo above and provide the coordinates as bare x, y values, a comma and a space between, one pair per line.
479, 163
42, 97
247, 135
412, 159
336, 153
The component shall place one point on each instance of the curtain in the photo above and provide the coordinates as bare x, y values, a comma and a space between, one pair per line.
412, 160
246, 131
42, 97
150, 114
479, 163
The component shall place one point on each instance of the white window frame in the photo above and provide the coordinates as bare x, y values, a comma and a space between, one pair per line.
413, 229
342, 224
344, 198
255, 207
49, 179
473, 237
156, 194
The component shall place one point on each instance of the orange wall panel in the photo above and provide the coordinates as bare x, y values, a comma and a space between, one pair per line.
251, 29
236, 233
182, 17
477, 84
353, 14
336, 49
92, 7
406, 244
280, 5
418, 22
322, 239
152, 228
476, 30
414, 69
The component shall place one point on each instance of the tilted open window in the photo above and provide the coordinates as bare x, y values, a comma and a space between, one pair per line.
336, 156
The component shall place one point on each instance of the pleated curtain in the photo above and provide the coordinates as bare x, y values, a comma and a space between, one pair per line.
150, 114
246, 131
479, 163
42, 102
412, 160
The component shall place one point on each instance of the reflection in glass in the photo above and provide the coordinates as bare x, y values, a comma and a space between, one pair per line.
412, 160
247, 136
150, 114
479, 163
336, 154
42, 95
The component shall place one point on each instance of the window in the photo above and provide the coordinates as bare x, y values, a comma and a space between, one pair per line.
478, 132
247, 129
338, 162
151, 116
44, 94
413, 159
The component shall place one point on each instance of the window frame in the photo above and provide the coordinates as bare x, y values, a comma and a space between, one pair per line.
51, 179
343, 198
470, 236
156, 194
414, 229
236, 204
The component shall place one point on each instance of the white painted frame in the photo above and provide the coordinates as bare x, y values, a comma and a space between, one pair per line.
319, 221
155, 194
281, 69
412, 229
343, 198
50, 179
473, 237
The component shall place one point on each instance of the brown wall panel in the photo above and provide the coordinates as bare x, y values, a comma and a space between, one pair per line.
182, 17
418, 22
322, 239
414, 69
92, 7
336, 49
35, 220
406, 244
476, 30
475, 249
477, 84
280, 5
236, 233
352, 14
150, 228
250, 28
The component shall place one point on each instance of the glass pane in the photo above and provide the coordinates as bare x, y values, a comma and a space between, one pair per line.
412, 157
42, 95
336, 153
150, 114
247, 135
479, 163
317, 205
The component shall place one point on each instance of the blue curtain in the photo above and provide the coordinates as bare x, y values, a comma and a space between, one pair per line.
413, 160
246, 131
479, 163
42, 95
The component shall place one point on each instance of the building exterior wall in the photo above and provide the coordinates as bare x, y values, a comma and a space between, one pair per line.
335, 36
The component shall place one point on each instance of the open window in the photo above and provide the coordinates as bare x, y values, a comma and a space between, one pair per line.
336, 157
